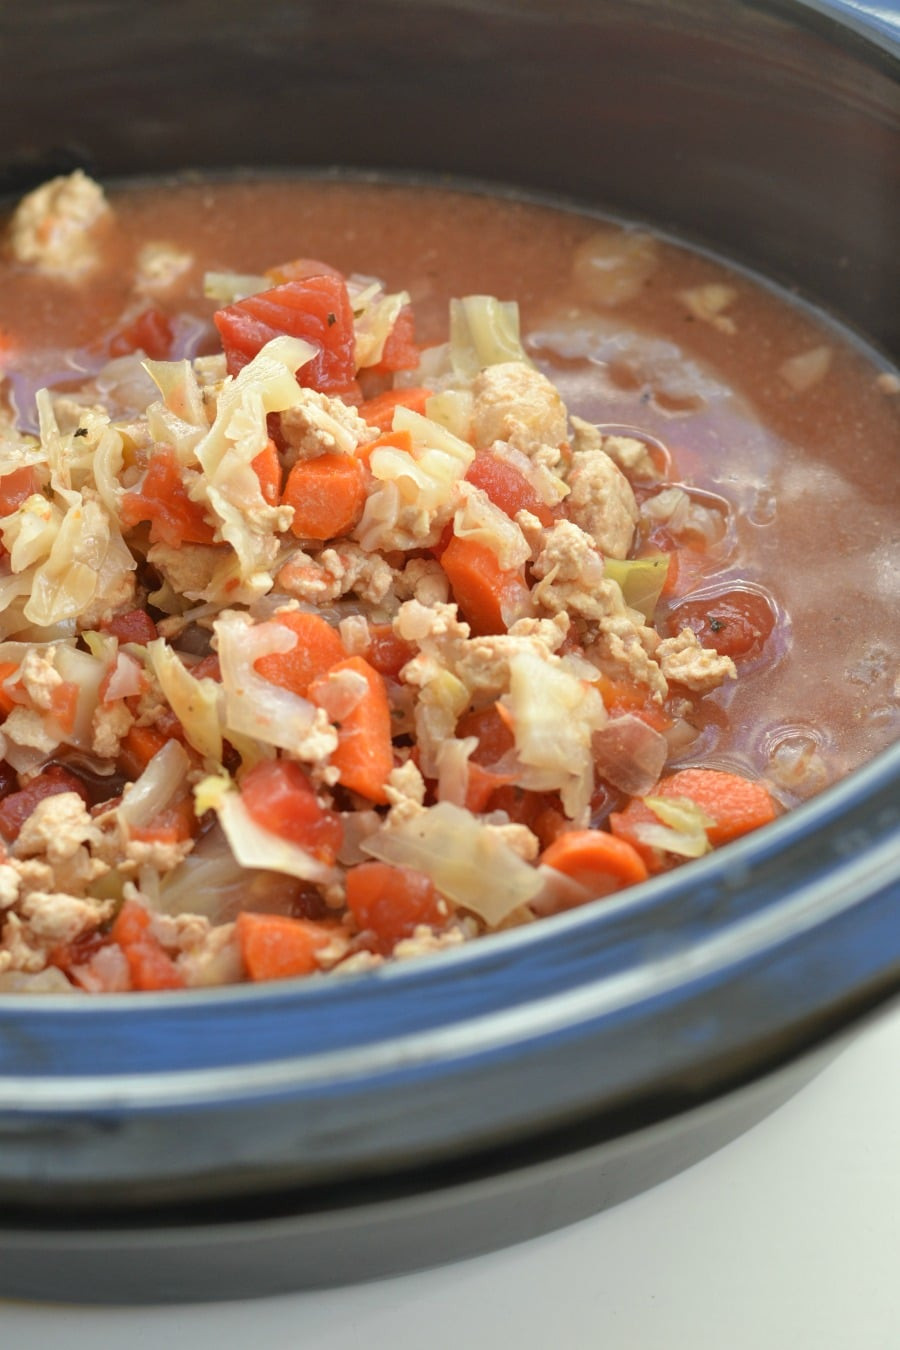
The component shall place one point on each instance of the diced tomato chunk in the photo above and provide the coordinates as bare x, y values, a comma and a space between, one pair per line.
163, 501
18, 806
151, 332
315, 308
135, 625
387, 653
735, 623
390, 902
280, 797
16, 488
400, 351
507, 487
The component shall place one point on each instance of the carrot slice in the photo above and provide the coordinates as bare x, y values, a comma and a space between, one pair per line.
489, 598
318, 648
150, 966
737, 805
328, 494
595, 859
137, 748
379, 411
364, 756
267, 467
275, 947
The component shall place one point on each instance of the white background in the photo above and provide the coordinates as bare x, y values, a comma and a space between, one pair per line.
788, 1238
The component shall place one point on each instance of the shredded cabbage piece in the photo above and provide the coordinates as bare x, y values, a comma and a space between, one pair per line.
196, 703
253, 705
683, 828
251, 844
484, 331
467, 860
640, 580
163, 777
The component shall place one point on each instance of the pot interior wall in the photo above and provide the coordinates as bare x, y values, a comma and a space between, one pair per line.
768, 130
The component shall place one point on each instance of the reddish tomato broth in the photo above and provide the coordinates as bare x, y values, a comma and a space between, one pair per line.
803, 471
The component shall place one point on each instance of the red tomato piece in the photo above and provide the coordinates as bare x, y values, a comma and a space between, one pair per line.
18, 806
316, 309
163, 501
280, 798
17, 487
390, 902
507, 487
400, 351
151, 333
736, 623
135, 625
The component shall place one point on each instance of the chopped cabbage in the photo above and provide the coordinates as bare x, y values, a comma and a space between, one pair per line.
251, 844
254, 706
467, 860
683, 828
196, 703
640, 580
164, 776
484, 331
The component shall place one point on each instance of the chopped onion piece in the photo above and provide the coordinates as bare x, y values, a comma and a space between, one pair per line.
630, 754
467, 860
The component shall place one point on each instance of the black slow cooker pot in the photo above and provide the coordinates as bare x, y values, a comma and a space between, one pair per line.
249, 1140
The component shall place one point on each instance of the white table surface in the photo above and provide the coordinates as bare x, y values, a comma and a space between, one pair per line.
788, 1238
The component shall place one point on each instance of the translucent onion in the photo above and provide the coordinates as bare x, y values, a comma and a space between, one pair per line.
630, 754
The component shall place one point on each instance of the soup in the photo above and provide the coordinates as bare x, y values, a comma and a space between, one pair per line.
476, 619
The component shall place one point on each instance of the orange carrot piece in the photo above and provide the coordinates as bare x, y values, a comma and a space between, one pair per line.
318, 648
737, 805
394, 440
328, 494
489, 598
7, 668
150, 966
379, 411
595, 859
267, 467
275, 947
364, 756
64, 704
173, 825
137, 748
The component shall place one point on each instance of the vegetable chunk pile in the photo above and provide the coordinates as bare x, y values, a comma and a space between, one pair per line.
335, 650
